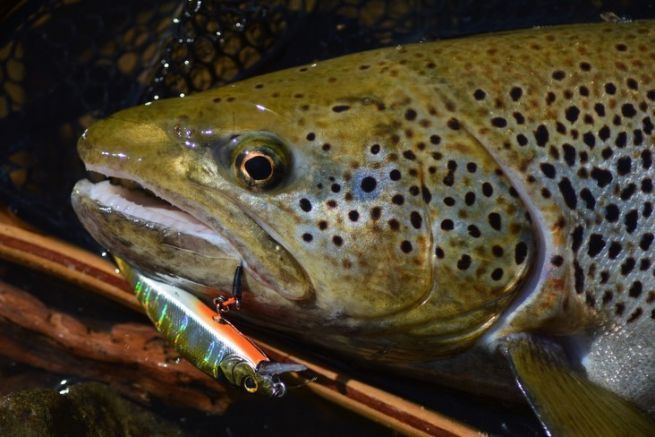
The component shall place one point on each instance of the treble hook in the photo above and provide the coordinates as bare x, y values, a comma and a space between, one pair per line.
225, 304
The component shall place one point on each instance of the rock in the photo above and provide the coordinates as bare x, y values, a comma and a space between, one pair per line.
88, 409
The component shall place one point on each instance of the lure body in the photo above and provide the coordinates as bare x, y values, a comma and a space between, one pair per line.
203, 337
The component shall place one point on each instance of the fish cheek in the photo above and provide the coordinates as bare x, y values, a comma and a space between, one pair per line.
362, 261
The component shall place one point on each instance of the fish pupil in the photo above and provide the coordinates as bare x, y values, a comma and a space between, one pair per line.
259, 168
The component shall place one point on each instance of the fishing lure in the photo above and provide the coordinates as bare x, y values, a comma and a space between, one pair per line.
206, 338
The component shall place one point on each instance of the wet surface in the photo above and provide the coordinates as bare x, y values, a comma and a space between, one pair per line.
64, 65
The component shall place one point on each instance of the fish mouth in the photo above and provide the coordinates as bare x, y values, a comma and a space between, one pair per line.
110, 196
129, 198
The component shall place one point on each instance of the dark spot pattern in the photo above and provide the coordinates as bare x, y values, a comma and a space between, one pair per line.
444, 182
579, 137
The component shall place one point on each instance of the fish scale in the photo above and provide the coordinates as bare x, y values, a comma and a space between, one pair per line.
570, 114
433, 202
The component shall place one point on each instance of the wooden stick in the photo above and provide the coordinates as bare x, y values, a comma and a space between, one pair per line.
34, 334
98, 275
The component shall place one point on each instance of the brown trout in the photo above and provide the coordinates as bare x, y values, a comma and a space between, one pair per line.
443, 208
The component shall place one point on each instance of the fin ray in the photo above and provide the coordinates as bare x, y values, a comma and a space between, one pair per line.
564, 400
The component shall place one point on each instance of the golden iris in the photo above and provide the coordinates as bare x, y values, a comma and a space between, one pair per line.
260, 162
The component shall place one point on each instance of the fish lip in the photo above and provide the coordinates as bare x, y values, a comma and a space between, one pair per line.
115, 173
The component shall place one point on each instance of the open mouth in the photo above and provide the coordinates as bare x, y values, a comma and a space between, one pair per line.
158, 229
130, 199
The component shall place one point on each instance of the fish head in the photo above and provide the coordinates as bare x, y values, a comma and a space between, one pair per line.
299, 176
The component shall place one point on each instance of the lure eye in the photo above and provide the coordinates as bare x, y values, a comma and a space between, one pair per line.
250, 384
260, 162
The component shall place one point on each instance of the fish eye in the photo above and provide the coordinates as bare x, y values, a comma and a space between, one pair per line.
260, 162
250, 384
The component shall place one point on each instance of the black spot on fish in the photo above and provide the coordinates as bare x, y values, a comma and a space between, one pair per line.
572, 113
425, 193
610, 88
408, 154
558, 75
416, 219
498, 122
480, 95
630, 221
614, 250
578, 276
548, 170
469, 198
628, 110
588, 198
635, 289
601, 176
495, 221
628, 191
569, 154
541, 135
596, 244
557, 260
627, 266
646, 241
368, 184
611, 213
516, 93
568, 193
305, 205
453, 123
621, 140
464, 262
522, 140
623, 165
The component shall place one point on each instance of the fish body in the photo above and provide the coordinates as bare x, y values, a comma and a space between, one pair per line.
415, 206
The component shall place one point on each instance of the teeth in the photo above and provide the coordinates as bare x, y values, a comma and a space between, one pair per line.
142, 205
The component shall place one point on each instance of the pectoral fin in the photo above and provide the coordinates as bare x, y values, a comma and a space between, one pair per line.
565, 401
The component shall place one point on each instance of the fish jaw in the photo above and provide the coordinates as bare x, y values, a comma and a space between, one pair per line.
160, 239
